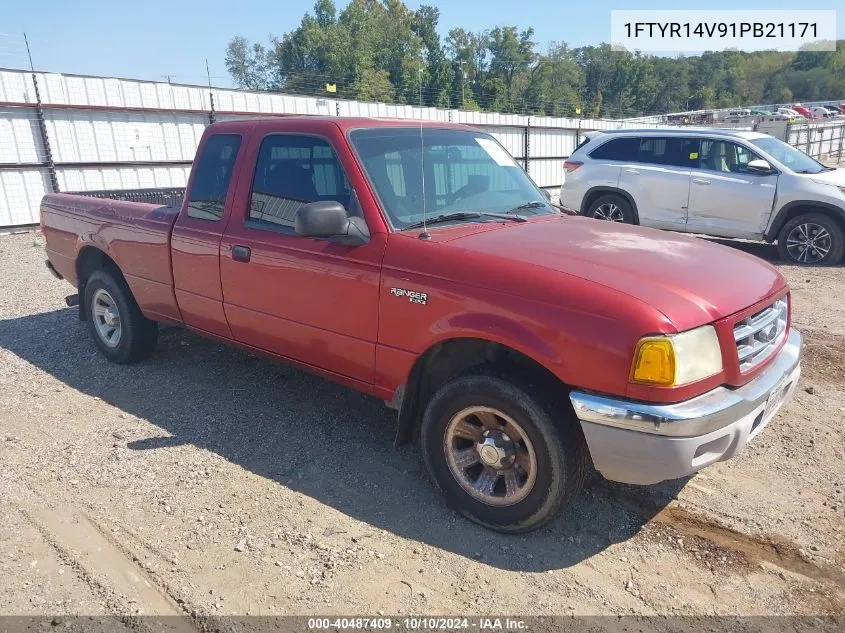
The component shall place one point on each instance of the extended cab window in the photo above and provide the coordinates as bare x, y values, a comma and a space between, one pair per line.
625, 148
293, 170
213, 173
725, 157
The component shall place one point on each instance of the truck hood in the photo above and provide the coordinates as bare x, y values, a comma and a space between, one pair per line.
690, 280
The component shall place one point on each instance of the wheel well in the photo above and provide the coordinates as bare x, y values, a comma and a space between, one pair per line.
804, 209
595, 194
90, 260
449, 359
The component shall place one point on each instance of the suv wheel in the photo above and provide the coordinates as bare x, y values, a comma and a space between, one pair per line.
612, 208
812, 238
502, 457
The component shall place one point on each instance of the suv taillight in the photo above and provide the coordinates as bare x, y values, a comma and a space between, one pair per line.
572, 165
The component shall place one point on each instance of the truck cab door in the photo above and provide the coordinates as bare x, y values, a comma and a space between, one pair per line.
195, 241
313, 301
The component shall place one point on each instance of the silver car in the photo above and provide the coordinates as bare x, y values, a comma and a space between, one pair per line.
725, 183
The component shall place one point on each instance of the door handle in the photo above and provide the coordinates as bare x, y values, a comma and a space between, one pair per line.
632, 171
241, 253
700, 181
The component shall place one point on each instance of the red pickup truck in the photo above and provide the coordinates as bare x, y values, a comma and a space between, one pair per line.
417, 262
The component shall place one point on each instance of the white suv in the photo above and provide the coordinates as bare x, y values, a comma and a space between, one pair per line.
726, 183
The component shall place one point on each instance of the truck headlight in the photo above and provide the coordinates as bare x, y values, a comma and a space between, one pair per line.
677, 359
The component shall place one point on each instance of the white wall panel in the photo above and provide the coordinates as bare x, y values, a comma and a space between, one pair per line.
21, 191
16, 87
512, 139
546, 172
20, 141
94, 179
552, 142
99, 136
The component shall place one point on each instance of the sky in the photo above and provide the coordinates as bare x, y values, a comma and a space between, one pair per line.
151, 39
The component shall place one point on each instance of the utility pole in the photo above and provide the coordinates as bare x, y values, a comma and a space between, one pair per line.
463, 81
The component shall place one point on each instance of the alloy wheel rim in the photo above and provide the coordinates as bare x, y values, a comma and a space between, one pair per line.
490, 456
609, 211
106, 317
808, 243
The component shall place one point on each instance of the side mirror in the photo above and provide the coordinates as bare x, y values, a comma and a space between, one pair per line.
760, 167
328, 219
548, 194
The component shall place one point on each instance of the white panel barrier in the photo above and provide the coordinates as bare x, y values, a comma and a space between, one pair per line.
21, 191
109, 124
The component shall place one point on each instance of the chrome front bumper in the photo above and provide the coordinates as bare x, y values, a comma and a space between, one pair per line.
646, 443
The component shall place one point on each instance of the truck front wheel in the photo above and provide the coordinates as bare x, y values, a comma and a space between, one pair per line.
501, 455
120, 331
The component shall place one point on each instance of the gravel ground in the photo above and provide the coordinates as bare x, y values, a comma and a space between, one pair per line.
207, 481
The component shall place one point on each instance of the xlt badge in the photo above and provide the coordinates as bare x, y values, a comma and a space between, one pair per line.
413, 296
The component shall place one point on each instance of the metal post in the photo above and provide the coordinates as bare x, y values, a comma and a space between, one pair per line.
210, 95
841, 141
526, 144
42, 126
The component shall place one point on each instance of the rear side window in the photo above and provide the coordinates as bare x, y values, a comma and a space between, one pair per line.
213, 174
293, 170
617, 149
670, 151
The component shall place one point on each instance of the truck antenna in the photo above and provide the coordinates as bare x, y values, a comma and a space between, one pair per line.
425, 234
28, 53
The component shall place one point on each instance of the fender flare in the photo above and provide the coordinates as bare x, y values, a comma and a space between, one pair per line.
488, 332
85, 243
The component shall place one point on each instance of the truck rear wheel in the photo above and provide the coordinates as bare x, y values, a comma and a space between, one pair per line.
120, 331
502, 457
811, 238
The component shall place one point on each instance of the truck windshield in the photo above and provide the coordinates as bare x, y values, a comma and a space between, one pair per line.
787, 155
460, 171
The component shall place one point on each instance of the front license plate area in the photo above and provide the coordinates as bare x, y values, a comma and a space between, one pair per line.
776, 398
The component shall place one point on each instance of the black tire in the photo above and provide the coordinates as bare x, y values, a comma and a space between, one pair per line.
613, 205
138, 334
559, 446
792, 252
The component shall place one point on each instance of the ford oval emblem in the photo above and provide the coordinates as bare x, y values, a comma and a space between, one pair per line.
768, 335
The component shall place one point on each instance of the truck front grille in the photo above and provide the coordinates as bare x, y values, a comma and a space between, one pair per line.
758, 336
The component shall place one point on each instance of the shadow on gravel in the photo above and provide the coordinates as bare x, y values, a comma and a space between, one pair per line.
310, 435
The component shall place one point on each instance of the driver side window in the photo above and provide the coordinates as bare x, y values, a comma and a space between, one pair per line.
725, 157
293, 170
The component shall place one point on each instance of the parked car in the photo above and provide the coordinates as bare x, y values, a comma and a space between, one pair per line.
792, 114
417, 262
718, 182
803, 111
820, 112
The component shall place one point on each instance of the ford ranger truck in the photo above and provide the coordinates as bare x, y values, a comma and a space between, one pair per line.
418, 263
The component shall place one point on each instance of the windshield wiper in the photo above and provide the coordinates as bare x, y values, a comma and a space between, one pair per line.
536, 204
463, 215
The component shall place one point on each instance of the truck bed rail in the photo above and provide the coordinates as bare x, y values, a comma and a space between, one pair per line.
165, 196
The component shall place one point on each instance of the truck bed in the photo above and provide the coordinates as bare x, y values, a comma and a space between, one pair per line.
135, 235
